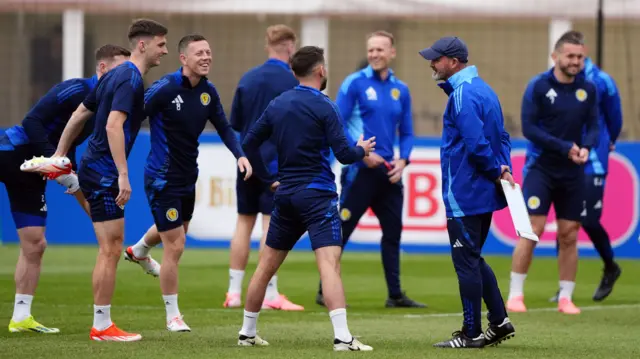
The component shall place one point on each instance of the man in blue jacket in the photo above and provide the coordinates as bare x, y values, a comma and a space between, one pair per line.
375, 102
474, 156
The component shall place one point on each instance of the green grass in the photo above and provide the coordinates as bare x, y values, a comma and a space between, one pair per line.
603, 330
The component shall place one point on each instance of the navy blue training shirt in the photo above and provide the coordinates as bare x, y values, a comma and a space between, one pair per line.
306, 126
554, 117
256, 89
121, 89
44, 123
178, 114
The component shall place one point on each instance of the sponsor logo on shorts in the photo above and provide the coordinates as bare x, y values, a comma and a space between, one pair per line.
172, 214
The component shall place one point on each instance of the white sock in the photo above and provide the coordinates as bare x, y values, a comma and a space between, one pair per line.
566, 289
340, 328
272, 289
235, 281
171, 304
102, 316
22, 307
516, 287
249, 324
141, 249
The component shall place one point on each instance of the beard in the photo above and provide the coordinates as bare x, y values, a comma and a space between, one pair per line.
567, 70
323, 86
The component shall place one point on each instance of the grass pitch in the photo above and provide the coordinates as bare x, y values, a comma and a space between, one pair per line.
603, 330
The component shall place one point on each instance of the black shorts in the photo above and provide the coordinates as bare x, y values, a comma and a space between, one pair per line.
26, 190
170, 206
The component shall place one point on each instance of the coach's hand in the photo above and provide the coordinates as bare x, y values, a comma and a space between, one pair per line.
245, 167
369, 146
506, 175
395, 175
125, 190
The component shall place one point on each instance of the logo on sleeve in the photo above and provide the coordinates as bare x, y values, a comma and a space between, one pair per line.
581, 95
205, 99
395, 94
172, 214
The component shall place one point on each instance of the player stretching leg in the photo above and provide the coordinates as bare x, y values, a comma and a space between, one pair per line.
118, 102
38, 136
179, 105
305, 125
558, 108
255, 90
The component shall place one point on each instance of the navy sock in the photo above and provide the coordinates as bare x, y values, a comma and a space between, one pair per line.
600, 239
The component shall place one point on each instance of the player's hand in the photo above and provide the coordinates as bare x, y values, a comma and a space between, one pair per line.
395, 174
369, 145
612, 147
573, 152
245, 167
125, 190
506, 175
274, 186
583, 155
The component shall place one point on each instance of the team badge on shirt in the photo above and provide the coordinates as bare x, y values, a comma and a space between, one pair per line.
205, 99
345, 214
581, 95
533, 202
395, 94
172, 214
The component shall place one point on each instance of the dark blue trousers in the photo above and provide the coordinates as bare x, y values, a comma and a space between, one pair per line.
475, 277
363, 188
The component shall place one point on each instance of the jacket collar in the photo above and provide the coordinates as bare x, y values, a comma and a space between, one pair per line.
465, 75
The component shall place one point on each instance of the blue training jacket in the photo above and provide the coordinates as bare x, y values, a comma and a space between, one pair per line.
474, 146
609, 118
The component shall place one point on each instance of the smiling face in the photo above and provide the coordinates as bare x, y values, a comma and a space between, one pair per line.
380, 52
197, 57
569, 58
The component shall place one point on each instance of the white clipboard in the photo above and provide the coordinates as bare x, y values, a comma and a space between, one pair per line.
518, 210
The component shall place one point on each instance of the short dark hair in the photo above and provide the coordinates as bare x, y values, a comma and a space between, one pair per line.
110, 51
186, 40
305, 60
145, 28
570, 37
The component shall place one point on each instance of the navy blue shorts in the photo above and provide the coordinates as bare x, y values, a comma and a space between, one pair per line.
310, 210
101, 194
594, 195
26, 190
170, 207
540, 190
253, 196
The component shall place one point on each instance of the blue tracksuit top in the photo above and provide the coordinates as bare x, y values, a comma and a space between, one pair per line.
474, 146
